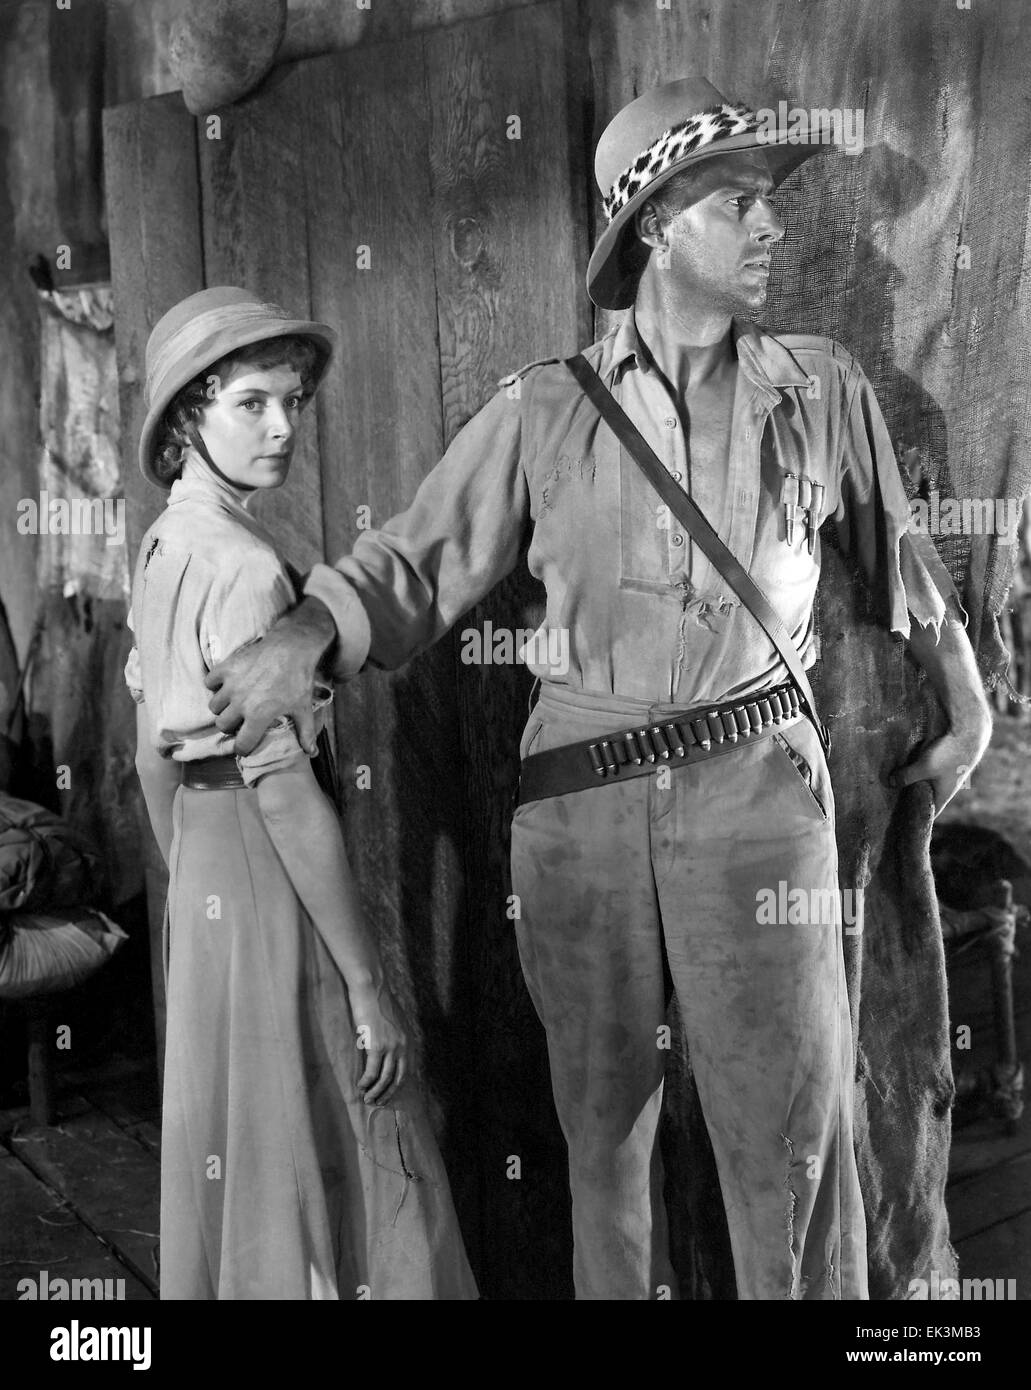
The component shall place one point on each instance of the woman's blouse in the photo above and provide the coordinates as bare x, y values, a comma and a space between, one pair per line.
208, 581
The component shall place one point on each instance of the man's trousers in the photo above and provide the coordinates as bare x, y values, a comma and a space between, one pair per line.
728, 866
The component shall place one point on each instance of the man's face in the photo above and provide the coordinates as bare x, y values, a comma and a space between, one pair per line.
719, 246
250, 425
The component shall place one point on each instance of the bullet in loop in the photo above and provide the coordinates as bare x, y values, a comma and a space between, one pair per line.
715, 724
658, 737
609, 755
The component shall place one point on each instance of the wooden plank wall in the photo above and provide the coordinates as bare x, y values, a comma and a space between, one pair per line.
153, 205
368, 187
253, 200
501, 209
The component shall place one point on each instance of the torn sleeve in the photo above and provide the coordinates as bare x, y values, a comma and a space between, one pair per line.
900, 565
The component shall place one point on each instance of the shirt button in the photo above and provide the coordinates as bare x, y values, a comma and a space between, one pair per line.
748, 434
678, 477
677, 539
670, 422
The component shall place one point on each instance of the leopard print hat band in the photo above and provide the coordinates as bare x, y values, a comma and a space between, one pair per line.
660, 131
673, 145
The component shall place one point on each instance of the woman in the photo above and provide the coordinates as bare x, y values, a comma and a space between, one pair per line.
296, 1159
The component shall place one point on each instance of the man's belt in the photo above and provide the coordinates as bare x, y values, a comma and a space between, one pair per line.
689, 736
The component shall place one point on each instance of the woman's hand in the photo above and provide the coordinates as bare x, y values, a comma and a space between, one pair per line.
381, 1033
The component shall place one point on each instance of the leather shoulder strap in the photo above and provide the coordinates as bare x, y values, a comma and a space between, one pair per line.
698, 528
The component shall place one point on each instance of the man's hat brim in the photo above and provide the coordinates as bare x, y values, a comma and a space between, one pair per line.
611, 283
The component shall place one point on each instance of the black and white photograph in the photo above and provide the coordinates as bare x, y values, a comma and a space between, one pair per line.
515, 668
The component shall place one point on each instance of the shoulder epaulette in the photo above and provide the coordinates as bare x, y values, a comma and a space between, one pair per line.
515, 376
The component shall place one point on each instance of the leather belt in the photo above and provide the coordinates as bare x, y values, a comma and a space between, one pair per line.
689, 736
212, 774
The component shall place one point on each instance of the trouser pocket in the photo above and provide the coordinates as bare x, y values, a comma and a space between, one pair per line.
804, 777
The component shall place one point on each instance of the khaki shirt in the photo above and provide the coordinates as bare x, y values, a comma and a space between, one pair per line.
645, 614
208, 580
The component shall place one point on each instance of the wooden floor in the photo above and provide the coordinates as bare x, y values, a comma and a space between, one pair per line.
80, 1199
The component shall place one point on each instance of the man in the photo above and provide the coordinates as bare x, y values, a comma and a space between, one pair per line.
662, 859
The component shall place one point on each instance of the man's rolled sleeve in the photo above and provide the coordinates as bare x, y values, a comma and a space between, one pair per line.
330, 587
413, 577
874, 523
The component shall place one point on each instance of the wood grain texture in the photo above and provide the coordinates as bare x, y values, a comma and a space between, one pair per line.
153, 201
366, 163
255, 235
150, 164
501, 210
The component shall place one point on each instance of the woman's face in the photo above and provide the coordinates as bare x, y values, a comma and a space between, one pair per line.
250, 425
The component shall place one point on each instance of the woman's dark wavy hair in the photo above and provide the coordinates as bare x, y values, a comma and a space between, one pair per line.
188, 404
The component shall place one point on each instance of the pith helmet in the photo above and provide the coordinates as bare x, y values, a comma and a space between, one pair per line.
198, 332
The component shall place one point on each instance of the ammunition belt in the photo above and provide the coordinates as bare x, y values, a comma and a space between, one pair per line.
687, 736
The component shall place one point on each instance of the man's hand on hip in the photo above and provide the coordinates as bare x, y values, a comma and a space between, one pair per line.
271, 677
946, 763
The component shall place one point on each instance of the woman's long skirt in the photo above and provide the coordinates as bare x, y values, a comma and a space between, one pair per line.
277, 1181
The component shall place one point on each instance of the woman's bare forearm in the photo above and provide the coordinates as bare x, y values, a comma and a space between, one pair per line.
308, 839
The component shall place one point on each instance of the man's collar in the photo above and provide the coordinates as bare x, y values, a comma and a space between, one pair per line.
626, 344
764, 360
